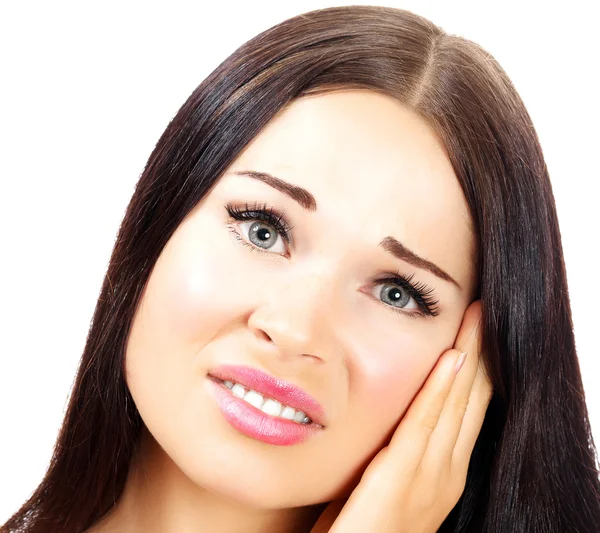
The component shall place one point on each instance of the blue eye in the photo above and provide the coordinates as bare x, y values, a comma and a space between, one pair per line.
401, 291
261, 217
268, 226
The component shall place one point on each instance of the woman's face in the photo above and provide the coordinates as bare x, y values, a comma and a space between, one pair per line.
311, 311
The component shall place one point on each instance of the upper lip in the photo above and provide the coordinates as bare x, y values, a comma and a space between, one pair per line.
272, 387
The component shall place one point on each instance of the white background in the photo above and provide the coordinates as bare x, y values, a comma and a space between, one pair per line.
85, 92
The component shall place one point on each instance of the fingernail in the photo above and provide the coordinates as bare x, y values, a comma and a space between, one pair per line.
459, 362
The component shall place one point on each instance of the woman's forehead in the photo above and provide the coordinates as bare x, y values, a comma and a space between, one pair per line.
355, 141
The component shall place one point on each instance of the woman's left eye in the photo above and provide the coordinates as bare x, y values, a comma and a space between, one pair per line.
264, 228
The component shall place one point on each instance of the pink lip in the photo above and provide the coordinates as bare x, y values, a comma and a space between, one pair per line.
271, 387
254, 423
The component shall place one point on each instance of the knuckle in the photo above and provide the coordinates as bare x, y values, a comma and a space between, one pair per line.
459, 407
428, 423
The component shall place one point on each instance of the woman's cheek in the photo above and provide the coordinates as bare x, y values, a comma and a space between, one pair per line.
199, 287
393, 372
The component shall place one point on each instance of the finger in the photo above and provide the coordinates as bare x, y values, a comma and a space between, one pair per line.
424, 413
481, 396
410, 440
469, 333
438, 455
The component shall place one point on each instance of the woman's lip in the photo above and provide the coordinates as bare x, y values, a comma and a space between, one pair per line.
254, 423
272, 387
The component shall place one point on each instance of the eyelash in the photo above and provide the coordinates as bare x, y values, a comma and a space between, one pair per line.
421, 293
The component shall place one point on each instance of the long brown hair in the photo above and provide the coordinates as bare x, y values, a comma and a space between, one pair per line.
534, 467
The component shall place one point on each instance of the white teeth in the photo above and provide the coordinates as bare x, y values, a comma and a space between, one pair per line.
271, 407
299, 416
255, 399
238, 390
268, 406
288, 412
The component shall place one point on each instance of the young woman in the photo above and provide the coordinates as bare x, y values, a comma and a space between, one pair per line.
344, 208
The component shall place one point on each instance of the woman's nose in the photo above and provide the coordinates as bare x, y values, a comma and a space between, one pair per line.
296, 316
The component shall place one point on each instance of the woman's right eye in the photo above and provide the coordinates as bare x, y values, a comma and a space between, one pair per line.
261, 236
263, 225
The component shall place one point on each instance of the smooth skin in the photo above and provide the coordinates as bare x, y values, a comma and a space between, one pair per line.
312, 311
413, 483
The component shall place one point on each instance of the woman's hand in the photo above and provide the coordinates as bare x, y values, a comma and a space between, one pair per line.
413, 483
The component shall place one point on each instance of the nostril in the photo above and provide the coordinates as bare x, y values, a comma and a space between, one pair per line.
265, 336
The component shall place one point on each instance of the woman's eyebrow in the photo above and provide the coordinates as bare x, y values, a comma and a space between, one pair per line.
300, 195
397, 249
308, 201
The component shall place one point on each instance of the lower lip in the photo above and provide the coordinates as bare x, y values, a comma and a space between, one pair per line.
256, 424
